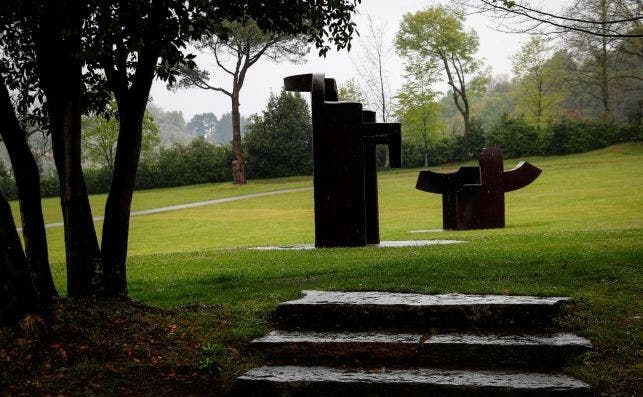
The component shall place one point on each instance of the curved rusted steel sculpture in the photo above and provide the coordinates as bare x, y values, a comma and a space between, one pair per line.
474, 197
448, 185
344, 168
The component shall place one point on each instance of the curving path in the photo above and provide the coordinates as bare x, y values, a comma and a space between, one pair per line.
193, 205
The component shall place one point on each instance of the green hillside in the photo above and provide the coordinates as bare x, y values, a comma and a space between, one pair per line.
590, 191
577, 231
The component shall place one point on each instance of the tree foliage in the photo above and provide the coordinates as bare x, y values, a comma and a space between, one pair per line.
235, 49
279, 142
437, 38
350, 91
67, 58
100, 136
540, 78
203, 125
529, 16
416, 105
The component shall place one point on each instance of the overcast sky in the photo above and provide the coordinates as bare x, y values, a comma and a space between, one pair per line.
265, 77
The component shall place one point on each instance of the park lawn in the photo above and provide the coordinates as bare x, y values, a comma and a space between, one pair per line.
155, 198
577, 231
591, 191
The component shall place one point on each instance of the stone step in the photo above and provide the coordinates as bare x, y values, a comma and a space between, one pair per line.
326, 381
464, 350
312, 347
490, 350
381, 310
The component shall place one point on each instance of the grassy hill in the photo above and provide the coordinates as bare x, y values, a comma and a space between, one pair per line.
591, 191
576, 231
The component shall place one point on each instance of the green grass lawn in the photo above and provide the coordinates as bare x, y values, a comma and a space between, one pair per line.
576, 231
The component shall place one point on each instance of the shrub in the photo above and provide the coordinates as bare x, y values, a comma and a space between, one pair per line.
568, 135
97, 180
197, 162
279, 141
7, 183
468, 147
514, 136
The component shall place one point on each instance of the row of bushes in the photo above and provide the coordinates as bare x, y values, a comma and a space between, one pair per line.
204, 162
179, 165
518, 138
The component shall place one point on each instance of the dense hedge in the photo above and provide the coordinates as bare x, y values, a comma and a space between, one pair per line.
204, 162
517, 138
179, 165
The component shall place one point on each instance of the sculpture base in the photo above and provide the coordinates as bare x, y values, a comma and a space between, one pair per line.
383, 244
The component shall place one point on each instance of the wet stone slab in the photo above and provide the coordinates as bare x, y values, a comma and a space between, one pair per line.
333, 309
559, 339
325, 381
312, 297
300, 347
517, 351
339, 337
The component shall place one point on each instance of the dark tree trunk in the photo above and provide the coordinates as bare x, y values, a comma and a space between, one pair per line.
27, 178
59, 49
119, 200
603, 61
425, 139
238, 164
17, 293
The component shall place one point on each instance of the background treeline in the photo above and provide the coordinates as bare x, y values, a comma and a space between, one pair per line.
517, 138
277, 142
573, 91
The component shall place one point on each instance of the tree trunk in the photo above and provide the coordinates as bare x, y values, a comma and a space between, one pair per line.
59, 48
27, 178
17, 293
466, 114
425, 138
119, 200
238, 164
604, 67
604, 81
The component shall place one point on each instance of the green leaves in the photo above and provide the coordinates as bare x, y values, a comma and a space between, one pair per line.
100, 135
279, 141
434, 41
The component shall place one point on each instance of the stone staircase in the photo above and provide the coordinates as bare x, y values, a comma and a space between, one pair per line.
392, 344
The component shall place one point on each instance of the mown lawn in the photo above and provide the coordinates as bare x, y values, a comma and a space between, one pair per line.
577, 231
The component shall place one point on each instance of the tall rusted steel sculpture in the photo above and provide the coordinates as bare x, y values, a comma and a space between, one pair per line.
474, 197
345, 177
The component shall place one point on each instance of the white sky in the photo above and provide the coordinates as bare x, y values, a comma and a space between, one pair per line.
265, 77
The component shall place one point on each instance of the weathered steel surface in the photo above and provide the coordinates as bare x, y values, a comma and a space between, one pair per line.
474, 197
345, 177
448, 185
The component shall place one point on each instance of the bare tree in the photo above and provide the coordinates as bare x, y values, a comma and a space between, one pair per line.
596, 34
371, 63
242, 45
597, 55
40, 144
528, 16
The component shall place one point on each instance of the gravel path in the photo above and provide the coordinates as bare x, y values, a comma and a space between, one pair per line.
193, 205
